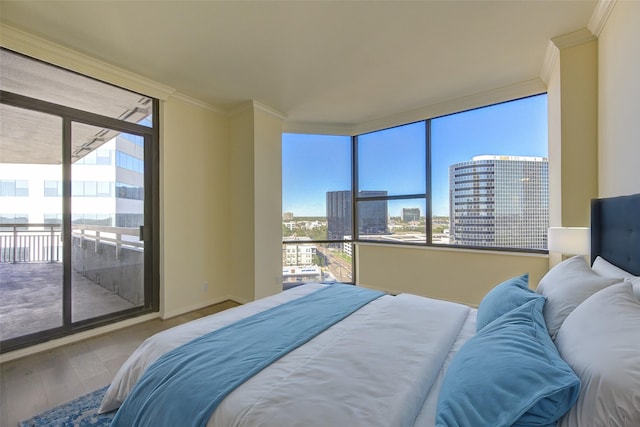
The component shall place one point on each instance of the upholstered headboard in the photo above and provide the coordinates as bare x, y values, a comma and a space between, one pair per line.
615, 231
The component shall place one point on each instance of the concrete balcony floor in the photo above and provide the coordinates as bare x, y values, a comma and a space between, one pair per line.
31, 298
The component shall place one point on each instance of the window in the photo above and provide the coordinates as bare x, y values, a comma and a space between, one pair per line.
392, 184
489, 173
129, 162
316, 204
52, 188
127, 191
477, 178
14, 188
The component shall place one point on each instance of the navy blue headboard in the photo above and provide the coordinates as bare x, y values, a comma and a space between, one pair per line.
615, 231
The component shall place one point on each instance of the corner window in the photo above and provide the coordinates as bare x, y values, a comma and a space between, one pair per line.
476, 179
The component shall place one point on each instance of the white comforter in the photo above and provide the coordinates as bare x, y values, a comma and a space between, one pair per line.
375, 368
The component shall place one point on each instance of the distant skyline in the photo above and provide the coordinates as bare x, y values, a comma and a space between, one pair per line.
312, 165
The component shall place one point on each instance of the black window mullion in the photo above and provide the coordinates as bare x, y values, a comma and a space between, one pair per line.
355, 229
66, 222
394, 197
356, 198
151, 215
429, 196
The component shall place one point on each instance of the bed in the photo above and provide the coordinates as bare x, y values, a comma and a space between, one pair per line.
407, 360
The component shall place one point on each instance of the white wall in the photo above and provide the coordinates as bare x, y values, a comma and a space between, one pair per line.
256, 202
578, 130
619, 101
268, 202
459, 275
194, 208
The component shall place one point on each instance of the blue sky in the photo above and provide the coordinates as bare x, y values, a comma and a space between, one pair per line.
392, 159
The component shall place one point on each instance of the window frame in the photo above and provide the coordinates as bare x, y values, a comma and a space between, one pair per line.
327, 241
358, 198
428, 195
151, 136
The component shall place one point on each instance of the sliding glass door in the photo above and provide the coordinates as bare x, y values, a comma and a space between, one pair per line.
31, 273
107, 213
78, 207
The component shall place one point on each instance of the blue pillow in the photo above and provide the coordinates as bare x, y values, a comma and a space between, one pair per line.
508, 374
503, 298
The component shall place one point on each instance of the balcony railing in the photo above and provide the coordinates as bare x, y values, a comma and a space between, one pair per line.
43, 242
118, 236
30, 243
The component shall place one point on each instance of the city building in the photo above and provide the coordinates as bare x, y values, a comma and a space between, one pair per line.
107, 188
300, 253
287, 216
339, 217
372, 214
298, 262
295, 275
500, 201
410, 214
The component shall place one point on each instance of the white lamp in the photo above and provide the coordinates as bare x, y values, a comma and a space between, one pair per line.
568, 240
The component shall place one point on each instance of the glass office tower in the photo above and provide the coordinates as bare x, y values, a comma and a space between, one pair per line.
500, 201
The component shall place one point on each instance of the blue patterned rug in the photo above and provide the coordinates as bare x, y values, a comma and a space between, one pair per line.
81, 412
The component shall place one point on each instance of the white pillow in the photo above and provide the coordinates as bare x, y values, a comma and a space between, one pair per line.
566, 285
606, 269
600, 340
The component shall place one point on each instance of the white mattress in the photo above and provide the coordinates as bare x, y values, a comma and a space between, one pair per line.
381, 366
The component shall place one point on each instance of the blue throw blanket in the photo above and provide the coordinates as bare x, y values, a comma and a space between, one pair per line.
184, 386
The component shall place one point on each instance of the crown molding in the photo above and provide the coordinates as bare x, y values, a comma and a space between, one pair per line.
550, 59
269, 110
39, 48
558, 43
255, 105
575, 38
600, 15
594, 29
198, 103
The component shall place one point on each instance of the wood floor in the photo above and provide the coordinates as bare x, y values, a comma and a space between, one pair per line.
33, 384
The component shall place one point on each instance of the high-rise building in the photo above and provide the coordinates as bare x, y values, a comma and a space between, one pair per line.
372, 215
500, 201
107, 187
338, 214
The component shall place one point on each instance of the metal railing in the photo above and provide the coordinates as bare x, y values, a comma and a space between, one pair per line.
30, 243
43, 242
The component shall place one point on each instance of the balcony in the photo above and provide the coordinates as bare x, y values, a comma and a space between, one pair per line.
106, 275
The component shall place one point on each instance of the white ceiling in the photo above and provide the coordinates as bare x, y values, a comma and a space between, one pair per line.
323, 62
